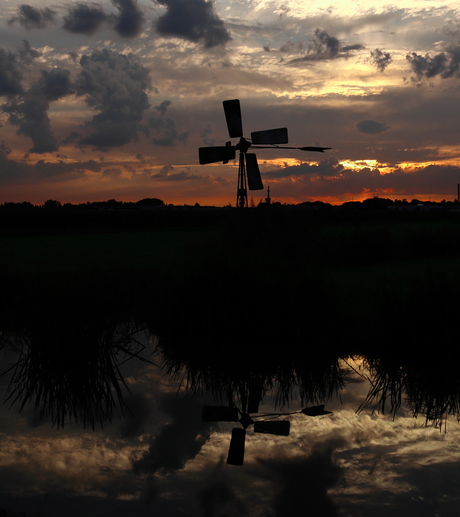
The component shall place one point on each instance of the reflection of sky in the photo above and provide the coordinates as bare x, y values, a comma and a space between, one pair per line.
162, 460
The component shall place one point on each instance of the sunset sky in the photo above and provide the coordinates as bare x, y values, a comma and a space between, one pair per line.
113, 99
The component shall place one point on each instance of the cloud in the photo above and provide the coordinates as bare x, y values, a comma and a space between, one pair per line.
84, 19
26, 53
11, 66
177, 442
33, 18
371, 127
30, 114
445, 64
115, 85
323, 47
164, 172
165, 127
163, 107
130, 20
330, 166
192, 20
184, 176
10, 74
14, 172
304, 484
380, 59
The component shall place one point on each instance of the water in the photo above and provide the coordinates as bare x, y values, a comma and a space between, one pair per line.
159, 457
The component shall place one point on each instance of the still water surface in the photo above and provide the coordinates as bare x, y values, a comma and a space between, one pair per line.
161, 459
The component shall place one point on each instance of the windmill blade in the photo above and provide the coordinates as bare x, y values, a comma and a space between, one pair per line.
220, 414
253, 173
236, 450
317, 149
280, 427
233, 116
216, 154
315, 411
270, 136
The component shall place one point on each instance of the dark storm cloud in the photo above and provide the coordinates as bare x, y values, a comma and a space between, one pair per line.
304, 483
30, 113
131, 19
32, 17
380, 59
192, 20
325, 47
115, 85
445, 64
177, 442
10, 74
84, 19
371, 127
165, 128
163, 107
26, 53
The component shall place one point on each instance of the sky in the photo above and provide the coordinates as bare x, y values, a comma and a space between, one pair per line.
112, 100
163, 460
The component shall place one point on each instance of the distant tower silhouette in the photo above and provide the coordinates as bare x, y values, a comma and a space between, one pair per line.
267, 199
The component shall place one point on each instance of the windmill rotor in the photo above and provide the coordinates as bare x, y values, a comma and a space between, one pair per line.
248, 168
230, 413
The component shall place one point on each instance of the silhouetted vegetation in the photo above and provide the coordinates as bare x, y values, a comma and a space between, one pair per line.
237, 297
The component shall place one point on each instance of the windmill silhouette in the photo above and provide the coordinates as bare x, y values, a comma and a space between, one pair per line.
232, 414
248, 169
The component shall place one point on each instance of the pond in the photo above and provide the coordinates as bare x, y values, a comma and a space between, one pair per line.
103, 418
151, 453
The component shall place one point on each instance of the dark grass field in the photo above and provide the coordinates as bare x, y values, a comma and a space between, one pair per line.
274, 268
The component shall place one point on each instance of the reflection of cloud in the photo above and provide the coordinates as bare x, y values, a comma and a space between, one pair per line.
371, 127
177, 442
304, 483
192, 20
219, 497
137, 415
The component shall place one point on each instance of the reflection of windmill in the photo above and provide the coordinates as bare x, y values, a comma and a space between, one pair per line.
237, 442
248, 169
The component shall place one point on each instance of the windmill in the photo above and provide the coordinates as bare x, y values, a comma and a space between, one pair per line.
232, 414
248, 169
